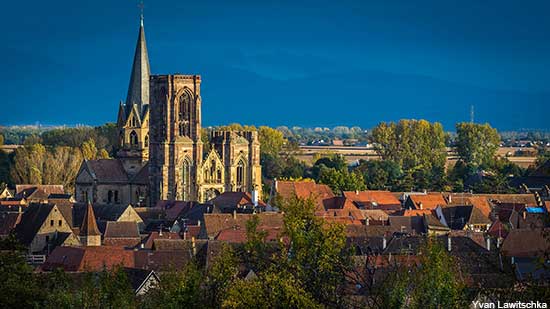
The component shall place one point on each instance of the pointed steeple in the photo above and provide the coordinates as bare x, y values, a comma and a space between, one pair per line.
89, 225
138, 90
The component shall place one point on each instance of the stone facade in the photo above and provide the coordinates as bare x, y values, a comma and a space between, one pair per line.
178, 168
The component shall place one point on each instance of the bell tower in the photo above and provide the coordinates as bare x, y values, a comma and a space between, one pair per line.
175, 131
133, 115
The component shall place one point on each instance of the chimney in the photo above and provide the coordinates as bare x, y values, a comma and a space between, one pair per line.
235, 214
524, 215
449, 243
420, 205
384, 243
367, 221
199, 223
488, 241
255, 197
193, 245
160, 231
356, 192
142, 246
450, 198
275, 184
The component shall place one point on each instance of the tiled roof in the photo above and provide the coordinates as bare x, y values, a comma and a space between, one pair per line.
173, 209
239, 235
148, 243
414, 212
498, 229
526, 242
89, 225
428, 201
542, 171
31, 221
88, 258
45, 189
8, 221
235, 199
413, 225
102, 212
304, 190
457, 217
214, 223
338, 202
121, 229
142, 177
107, 170
373, 197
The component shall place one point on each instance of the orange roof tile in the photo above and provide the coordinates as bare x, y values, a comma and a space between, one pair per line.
378, 197
429, 201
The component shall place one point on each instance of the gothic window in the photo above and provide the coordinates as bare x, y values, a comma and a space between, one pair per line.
147, 140
184, 114
212, 170
186, 179
110, 197
134, 122
133, 138
240, 174
219, 175
116, 196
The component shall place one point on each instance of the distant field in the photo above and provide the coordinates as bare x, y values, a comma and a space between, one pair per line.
352, 154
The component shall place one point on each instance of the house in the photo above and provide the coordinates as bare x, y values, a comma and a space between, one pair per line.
425, 201
122, 234
384, 200
242, 202
527, 250
104, 213
8, 221
142, 280
215, 223
40, 225
303, 190
5, 192
37, 193
463, 218
94, 258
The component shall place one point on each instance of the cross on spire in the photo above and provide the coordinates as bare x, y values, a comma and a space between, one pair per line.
141, 6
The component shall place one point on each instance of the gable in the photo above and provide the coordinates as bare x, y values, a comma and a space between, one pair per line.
129, 215
84, 176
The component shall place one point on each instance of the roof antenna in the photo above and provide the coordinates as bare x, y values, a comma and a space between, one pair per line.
141, 6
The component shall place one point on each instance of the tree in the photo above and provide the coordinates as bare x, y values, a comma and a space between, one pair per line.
177, 289
221, 276
18, 287
417, 146
272, 289
380, 175
341, 180
317, 256
476, 144
271, 140
89, 150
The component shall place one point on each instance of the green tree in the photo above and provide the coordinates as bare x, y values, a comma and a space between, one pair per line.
341, 180
272, 289
220, 277
417, 146
271, 140
380, 175
476, 144
18, 287
177, 289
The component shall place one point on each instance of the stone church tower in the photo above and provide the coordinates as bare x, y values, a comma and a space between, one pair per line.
133, 116
178, 168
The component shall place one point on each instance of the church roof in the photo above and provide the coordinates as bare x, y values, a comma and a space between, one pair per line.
107, 170
138, 90
89, 225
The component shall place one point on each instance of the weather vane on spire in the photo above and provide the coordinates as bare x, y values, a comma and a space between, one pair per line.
141, 6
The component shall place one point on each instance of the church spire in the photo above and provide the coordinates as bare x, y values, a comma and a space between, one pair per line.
138, 90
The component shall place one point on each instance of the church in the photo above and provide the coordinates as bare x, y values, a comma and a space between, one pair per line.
161, 154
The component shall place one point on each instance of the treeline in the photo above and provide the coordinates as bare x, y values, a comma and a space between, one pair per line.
54, 156
413, 157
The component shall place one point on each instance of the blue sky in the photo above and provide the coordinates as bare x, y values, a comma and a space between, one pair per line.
306, 63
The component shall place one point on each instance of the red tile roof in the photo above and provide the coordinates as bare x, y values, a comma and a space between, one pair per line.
88, 258
89, 225
8, 221
238, 199
148, 244
526, 242
429, 201
378, 197
239, 235
173, 209
304, 190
